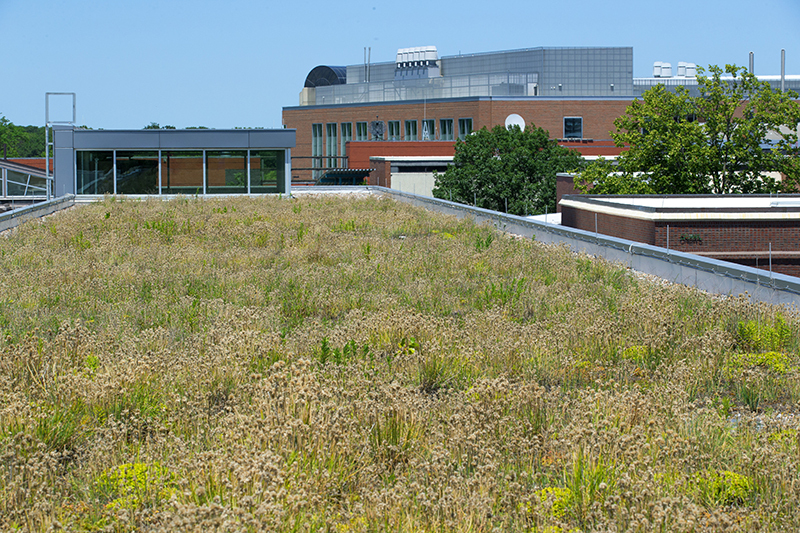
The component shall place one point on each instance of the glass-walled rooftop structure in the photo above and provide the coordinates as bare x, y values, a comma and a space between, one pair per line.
167, 162
18, 180
556, 72
592, 72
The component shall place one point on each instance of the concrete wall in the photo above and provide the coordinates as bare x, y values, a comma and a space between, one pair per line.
420, 183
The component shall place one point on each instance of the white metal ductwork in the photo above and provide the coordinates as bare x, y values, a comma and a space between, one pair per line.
417, 62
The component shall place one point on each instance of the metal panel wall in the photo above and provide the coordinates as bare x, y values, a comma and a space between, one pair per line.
182, 139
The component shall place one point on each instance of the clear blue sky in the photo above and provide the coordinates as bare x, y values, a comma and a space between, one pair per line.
233, 63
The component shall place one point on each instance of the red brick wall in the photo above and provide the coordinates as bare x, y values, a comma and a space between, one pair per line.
598, 119
730, 236
615, 226
742, 242
359, 152
594, 147
382, 176
564, 185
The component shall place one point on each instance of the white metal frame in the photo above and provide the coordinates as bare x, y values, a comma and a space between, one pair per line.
47, 142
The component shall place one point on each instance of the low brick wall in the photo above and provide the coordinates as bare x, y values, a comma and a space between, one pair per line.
625, 228
744, 242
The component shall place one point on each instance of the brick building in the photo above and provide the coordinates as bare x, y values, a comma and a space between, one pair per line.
574, 93
760, 231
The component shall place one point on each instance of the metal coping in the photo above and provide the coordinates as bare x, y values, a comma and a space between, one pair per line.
776, 206
14, 218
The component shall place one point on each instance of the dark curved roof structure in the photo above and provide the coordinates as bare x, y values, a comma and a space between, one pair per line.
323, 75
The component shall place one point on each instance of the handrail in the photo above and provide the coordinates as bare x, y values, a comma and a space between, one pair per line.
7, 166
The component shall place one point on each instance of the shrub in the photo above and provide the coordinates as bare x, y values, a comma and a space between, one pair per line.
721, 487
558, 499
133, 485
772, 362
757, 336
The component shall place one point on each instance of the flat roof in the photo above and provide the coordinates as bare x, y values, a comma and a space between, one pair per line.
690, 207
194, 139
413, 158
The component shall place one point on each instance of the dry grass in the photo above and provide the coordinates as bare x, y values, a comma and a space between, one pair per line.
322, 364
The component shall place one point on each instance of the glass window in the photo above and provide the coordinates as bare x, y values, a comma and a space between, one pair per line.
137, 172
95, 172
411, 130
331, 146
182, 172
362, 131
267, 171
573, 127
446, 129
226, 172
428, 129
20, 184
394, 130
316, 149
464, 127
347, 135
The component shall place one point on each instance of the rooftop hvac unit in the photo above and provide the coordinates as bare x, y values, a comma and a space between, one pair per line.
666, 70
657, 69
681, 69
416, 56
431, 55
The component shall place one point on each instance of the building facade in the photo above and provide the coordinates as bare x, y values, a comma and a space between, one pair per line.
760, 231
167, 162
573, 93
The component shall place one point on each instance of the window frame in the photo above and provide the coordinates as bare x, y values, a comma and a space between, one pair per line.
394, 133
331, 144
447, 129
462, 135
317, 132
409, 134
345, 135
564, 124
362, 131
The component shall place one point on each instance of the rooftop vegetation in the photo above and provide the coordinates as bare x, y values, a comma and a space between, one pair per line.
355, 364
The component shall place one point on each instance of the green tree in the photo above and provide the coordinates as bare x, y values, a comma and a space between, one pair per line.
31, 143
492, 167
157, 126
9, 137
720, 142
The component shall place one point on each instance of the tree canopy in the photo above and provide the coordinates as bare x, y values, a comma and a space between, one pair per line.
723, 141
492, 167
21, 141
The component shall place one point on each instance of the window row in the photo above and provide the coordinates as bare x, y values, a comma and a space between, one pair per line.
409, 130
181, 172
20, 184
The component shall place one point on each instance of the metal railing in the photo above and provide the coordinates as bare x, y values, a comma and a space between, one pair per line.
18, 181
